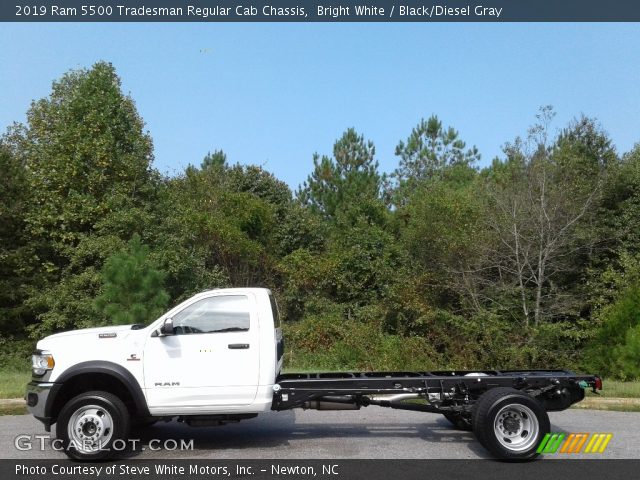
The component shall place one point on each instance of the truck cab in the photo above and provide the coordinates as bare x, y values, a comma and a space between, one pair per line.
219, 349
219, 352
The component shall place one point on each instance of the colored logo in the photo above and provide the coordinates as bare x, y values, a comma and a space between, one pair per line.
574, 443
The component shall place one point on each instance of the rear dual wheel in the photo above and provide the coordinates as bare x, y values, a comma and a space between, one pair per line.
510, 423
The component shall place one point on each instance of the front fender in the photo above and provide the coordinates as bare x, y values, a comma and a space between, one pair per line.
118, 372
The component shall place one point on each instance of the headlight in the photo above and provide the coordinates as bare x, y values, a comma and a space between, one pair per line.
41, 362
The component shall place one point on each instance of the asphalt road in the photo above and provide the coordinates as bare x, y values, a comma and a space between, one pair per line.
369, 433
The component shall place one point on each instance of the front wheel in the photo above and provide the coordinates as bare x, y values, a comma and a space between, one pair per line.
89, 424
510, 423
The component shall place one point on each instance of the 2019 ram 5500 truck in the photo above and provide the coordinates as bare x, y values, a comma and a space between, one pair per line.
217, 357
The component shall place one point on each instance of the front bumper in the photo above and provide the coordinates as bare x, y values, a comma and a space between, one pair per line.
37, 395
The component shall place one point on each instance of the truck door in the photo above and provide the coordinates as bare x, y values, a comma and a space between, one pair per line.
211, 360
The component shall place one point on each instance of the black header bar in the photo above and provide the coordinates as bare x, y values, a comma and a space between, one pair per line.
329, 469
314, 11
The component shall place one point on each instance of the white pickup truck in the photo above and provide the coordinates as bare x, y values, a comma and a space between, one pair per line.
217, 358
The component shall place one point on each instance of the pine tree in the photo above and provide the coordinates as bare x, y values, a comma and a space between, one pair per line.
217, 159
132, 287
347, 182
428, 150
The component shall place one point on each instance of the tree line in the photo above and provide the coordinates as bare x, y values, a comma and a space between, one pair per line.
530, 261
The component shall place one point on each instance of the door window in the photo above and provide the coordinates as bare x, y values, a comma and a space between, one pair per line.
228, 313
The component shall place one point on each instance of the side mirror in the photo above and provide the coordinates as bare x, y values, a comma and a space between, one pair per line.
167, 327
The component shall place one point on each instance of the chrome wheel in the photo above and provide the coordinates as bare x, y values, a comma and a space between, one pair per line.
90, 428
516, 427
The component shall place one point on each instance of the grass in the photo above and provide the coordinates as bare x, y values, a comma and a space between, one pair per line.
13, 382
613, 389
13, 410
616, 389
613, 404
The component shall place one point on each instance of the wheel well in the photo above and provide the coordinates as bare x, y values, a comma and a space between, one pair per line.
86, 382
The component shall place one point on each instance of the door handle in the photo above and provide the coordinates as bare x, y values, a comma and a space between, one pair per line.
238, 346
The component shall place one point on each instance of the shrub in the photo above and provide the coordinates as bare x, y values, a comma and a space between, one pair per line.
15, 353
616, 348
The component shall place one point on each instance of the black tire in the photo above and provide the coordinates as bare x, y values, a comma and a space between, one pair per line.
108, 421
460, 422
518, 412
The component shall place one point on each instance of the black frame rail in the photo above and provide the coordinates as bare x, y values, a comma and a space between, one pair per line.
457, 390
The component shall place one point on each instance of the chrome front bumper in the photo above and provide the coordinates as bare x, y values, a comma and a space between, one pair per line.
36, 396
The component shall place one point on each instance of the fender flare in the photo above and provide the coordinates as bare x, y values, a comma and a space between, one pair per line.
108, 368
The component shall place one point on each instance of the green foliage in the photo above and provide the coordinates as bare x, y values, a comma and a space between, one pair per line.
15, 367
353, 270
261, 184
620, 215
219, 228
15, 354
519, 238
616, 347
300, 228
83, 146
529, 262
217, 159
132, 287
348, 185
325, 342
87, 164
443, 218
428, 151
15, 250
